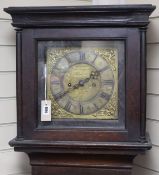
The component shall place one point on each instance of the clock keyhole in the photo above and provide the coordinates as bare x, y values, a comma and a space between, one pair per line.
69, 84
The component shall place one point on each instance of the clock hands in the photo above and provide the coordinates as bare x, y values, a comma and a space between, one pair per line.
93, 75
81, 83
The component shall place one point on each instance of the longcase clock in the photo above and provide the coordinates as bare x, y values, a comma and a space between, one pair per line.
81, 87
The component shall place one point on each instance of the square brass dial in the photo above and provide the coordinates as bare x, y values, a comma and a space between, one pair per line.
82, 82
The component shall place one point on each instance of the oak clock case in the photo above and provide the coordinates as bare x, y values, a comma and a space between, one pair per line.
89, 62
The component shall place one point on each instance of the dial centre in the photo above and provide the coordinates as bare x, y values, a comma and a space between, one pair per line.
81, 76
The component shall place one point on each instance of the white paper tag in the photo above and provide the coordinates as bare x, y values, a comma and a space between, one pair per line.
45, 110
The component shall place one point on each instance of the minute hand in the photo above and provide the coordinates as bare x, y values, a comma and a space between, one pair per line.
82, 82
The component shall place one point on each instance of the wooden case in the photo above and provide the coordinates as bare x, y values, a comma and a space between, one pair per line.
106, 146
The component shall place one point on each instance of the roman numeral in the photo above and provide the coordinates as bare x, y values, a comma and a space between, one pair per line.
104, 95
68, 106
59, 95
68, 58
82, 56
107, 82
81, 109
95, 106
55, 82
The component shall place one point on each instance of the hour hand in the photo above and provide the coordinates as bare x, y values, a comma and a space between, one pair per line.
82, 82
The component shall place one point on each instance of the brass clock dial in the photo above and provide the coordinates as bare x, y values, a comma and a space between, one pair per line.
81, 83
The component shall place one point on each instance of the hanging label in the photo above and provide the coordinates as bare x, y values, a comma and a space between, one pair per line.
45, 110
